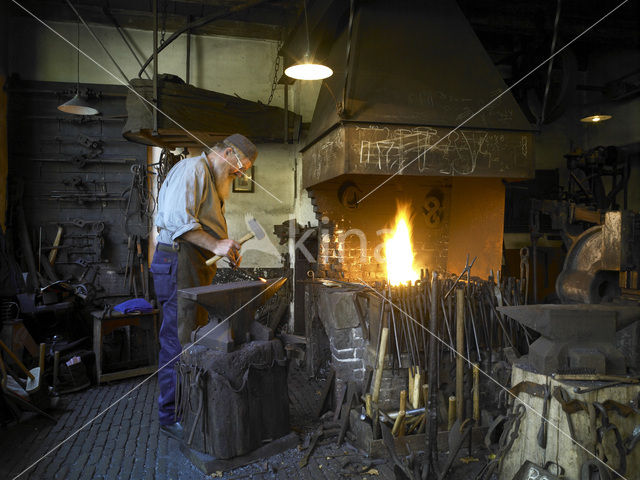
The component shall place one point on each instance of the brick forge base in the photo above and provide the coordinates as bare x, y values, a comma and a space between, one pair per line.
335, 323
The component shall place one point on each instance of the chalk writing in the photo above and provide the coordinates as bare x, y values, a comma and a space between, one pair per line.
428, 150
380, 149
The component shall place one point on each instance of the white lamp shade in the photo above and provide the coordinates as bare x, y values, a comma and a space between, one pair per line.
308, 71
595, 118
77, 106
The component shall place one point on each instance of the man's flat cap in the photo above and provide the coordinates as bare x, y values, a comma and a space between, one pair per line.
243, 144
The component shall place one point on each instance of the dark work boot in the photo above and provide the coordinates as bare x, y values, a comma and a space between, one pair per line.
173, 430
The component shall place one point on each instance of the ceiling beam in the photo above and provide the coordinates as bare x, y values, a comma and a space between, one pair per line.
253, 23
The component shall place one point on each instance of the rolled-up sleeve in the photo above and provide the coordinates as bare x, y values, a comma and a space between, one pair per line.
180, 200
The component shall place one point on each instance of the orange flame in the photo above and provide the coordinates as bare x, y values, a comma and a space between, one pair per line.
400, 269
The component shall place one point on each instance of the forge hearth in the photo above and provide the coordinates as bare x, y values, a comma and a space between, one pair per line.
450, 217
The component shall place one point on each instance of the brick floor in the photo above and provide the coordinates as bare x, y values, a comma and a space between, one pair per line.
125, 443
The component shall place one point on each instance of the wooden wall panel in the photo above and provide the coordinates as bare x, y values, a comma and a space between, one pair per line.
4, 159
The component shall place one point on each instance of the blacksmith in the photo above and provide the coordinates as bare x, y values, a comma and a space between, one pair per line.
191, 228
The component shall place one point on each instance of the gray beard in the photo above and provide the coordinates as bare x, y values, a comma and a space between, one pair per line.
223, 186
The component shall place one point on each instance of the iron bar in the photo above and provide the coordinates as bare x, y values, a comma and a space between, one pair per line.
126, 41
395, 328
154, 99
194, 25
97, 40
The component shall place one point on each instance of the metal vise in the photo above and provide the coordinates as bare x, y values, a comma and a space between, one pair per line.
232, 308
579, 338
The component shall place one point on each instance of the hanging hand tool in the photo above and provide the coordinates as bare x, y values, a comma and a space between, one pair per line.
542, 431
143, 278
54, 251
561, 395
604, 430
96, 225
126, 266
132, 274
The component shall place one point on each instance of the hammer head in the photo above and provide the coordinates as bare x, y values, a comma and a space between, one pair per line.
255, 227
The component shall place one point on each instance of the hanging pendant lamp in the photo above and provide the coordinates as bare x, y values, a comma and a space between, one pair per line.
307, 70
77, 105
595, 118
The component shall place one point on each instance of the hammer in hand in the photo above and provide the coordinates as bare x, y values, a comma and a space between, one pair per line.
256, 231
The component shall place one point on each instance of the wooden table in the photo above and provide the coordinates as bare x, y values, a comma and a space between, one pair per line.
105, 324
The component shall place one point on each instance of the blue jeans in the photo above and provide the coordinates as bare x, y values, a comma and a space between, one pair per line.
164, 268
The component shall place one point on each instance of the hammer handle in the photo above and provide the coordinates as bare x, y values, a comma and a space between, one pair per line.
15, 359
244, 239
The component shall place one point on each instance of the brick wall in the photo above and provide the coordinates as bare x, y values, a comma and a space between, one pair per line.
351, 237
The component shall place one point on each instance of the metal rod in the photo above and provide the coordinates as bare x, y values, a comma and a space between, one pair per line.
473, 327
459, 348
286, 113
126, 41
405, 327
550, 66
380, 325
98, 40
154, 100
446, 323
188, 59
395, 333
414, 332
194, 25
429, 464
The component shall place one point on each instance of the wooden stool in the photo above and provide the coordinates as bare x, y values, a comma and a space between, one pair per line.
105, 324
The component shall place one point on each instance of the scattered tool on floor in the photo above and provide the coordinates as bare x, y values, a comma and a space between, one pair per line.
35, 375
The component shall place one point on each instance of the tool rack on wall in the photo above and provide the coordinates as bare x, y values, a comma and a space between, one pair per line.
80, 186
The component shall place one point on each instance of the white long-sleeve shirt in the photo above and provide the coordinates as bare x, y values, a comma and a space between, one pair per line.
188, 200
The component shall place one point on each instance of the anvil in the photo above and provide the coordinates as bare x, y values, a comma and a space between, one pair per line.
232, 307
580, 336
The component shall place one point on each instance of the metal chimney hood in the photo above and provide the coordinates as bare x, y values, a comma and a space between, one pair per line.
416, 70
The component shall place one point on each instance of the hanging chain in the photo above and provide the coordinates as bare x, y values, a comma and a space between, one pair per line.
165, 4
166, 162
276, 70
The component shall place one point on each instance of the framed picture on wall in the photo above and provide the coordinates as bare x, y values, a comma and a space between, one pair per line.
244, 184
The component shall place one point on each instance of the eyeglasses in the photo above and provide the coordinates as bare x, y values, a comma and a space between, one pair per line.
239, 165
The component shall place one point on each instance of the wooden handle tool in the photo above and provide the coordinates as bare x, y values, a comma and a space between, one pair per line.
56, 243
401, 414
244, 239
15, 359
